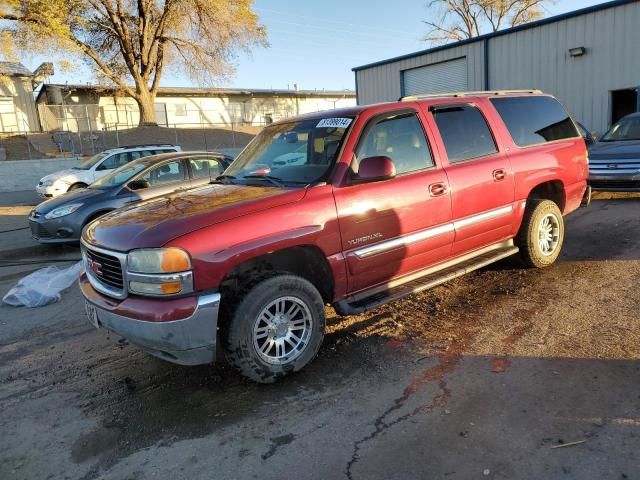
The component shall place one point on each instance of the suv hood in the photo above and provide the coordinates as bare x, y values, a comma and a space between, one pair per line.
615, 150
155, 222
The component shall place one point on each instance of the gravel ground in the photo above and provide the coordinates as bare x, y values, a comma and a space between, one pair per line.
489, 376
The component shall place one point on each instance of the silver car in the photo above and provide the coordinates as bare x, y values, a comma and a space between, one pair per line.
614, 162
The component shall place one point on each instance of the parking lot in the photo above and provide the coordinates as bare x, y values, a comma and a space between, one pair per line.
493, 375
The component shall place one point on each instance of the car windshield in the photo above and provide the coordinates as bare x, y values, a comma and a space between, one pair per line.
626, 129
91, 161
120, 175
293, 153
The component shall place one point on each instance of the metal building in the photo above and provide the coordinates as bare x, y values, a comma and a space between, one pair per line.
588, 58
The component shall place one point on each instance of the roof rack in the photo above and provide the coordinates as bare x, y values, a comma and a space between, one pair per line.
147, 145
466, 94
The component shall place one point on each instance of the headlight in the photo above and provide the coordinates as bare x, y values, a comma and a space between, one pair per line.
47, 183
63, 211
158, 260
159, 271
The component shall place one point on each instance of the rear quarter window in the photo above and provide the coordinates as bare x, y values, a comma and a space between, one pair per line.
535, 120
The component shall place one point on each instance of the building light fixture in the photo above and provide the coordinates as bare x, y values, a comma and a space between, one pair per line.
577, 51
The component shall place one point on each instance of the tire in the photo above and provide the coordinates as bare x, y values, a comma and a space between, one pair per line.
265, 345
541, 234
77, 186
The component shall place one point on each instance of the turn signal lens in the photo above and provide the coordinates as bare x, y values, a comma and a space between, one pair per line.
144, 288
158, 260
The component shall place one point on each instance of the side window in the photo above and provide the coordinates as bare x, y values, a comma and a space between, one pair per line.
399, 137
115, 161
534, 120
205, 167
464, 132
165, 173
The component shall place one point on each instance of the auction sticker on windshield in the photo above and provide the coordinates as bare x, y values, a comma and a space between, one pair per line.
334, 123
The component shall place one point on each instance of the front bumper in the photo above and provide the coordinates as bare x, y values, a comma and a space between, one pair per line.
187, 340
51, 190
65, 229
615, 182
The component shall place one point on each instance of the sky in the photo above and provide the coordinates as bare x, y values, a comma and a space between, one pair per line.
316, 43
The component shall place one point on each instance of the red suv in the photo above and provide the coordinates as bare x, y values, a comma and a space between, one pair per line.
352, 208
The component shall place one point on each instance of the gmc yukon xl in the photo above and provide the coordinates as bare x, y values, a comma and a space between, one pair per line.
353, 208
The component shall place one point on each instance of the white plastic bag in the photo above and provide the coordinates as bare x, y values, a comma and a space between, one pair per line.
42, 287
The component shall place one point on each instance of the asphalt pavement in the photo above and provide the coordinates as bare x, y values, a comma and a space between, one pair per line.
505, 373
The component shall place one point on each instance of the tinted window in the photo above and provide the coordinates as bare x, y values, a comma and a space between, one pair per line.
165, 173
628, 128
400, 138
465, 133
205, 167
535, 120
115, 161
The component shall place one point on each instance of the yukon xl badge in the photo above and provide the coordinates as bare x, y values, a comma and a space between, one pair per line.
366, 238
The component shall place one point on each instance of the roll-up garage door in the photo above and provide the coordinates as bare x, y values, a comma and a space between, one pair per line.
442, 77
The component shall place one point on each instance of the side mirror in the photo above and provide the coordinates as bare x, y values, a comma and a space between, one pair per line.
138, 184
374, 169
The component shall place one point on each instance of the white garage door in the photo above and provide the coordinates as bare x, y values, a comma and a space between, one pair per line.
8, 117
442, 77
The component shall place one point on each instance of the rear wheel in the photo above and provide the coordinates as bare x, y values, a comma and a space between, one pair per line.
541, 234
276, 328
77, 186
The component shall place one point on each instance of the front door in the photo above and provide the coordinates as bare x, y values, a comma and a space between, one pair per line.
481, 177
394, 227
162, 179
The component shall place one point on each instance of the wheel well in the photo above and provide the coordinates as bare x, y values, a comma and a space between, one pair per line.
76, 184
95, 215
553, 190
307, 262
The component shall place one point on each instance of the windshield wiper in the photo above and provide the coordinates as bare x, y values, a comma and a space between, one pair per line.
224, 179
273, 180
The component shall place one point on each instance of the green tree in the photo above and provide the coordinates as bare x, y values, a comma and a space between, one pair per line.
457, 20
131, 43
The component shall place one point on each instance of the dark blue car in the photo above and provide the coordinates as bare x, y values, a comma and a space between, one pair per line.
61, 219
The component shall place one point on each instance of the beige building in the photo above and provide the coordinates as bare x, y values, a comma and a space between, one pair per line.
587, 58
17, 108
89, 107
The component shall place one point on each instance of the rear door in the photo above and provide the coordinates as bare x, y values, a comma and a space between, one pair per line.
480, 175
394, 227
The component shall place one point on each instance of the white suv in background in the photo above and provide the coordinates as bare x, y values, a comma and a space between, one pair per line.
96, 167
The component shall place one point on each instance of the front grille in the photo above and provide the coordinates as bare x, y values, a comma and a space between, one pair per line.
622, 184
38, 231
105, 268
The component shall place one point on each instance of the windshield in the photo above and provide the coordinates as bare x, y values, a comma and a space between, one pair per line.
91, 161
626, 129
119, 176
295, 153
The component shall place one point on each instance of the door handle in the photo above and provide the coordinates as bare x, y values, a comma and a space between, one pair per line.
437, 189
499, 175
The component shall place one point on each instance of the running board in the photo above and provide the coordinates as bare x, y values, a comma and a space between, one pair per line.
424, 279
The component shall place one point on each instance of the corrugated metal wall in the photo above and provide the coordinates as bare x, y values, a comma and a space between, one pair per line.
539, 58
382, 83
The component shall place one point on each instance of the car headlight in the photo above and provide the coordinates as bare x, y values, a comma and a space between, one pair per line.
47, 183
63, 211
159, 271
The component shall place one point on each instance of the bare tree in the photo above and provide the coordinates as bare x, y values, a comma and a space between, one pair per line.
132, 42
462, 19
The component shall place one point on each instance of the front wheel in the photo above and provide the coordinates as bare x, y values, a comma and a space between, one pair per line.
276, 328
541, 234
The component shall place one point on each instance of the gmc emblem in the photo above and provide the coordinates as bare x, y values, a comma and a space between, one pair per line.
94, 267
